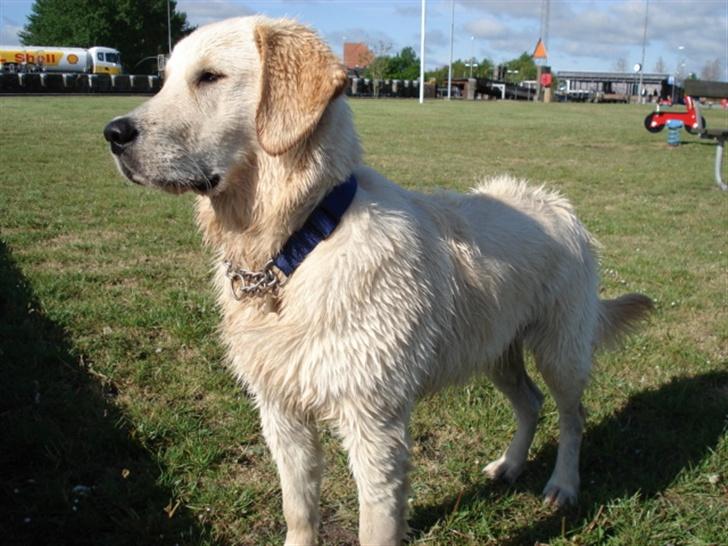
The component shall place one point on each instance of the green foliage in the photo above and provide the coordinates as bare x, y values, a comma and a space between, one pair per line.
377, 69
137, 28
461, 69
525, 66
405, 65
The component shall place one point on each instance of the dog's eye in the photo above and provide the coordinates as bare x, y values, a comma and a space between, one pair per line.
208, 77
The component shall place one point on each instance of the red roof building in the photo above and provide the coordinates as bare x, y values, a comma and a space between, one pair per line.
357, 55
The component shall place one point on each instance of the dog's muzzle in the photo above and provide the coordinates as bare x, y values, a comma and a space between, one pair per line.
120, 133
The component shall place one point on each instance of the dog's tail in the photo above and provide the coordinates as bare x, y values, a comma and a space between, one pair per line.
620, 316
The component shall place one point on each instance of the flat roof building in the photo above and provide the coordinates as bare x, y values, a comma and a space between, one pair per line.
626, 83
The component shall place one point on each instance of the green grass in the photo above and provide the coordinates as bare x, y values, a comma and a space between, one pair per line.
112, 376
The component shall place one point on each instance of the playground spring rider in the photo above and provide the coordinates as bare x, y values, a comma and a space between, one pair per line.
656, 121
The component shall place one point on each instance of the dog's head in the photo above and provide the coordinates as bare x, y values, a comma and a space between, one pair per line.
238, 87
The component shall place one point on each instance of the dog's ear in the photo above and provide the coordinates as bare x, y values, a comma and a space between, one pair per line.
300, 76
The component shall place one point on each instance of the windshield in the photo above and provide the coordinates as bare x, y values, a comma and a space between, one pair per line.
112, 58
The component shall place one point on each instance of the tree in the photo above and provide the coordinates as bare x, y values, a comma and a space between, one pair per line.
680, 72
377, 68
620, 65
459, 70
404, 66
137, 28
711, 70
524, 66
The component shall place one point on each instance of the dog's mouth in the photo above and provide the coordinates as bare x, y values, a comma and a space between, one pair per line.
203, 185
207, 184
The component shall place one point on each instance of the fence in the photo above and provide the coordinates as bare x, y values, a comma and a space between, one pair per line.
46, 82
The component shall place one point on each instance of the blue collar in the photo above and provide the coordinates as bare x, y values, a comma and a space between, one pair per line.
319, 225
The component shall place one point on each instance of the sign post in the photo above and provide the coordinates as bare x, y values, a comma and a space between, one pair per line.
539, 54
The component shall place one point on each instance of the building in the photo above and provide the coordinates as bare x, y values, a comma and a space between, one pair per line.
573, 83
357, 56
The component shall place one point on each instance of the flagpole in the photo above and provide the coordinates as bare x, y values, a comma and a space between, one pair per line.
422, 53
452, 32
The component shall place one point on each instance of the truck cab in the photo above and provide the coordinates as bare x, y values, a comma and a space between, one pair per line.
104, 60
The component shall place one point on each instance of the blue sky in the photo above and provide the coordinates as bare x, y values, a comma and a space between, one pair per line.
583, 35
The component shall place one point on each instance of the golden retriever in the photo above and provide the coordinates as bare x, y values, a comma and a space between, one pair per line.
409, 293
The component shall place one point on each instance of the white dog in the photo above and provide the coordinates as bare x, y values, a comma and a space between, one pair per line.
378, 295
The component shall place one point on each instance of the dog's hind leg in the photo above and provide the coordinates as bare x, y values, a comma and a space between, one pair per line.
294, 444
510, 377
377, 441
566, 374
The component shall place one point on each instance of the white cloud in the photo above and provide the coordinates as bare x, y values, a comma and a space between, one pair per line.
202, 12
602, 31
9, 30
520, 9
408, 10
435, 37
488, 27
377, 41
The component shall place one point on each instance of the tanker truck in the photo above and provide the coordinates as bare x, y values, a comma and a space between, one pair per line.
94, 60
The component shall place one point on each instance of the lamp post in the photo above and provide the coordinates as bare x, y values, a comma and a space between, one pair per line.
644, 45
169, 28
681, 61
472, 54
677, 72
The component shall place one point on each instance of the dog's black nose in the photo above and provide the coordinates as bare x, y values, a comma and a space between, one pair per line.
119, 133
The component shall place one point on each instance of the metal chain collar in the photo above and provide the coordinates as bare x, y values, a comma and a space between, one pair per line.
252, 283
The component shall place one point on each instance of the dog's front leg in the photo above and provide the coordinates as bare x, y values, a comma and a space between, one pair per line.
294, 443
379, 458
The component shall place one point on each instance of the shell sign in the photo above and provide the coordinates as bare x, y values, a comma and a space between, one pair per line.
72, 58
48, 58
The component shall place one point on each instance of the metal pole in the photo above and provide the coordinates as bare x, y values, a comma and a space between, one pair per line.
472, 54
452, 32
422, 53
169, 28
644, 45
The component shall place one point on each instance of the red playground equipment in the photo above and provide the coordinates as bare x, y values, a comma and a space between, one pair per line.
656, 121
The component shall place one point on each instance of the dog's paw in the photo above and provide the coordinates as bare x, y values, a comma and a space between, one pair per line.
503, 469
558, 495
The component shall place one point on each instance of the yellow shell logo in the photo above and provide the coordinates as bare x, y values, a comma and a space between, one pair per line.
72, 59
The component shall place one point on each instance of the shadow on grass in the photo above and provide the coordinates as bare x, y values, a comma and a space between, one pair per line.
701, 142
641, 448
71, 471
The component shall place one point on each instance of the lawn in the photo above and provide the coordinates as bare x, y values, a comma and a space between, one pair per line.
119, 423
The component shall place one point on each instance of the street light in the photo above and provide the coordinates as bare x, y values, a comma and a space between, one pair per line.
472, 54
169, 28
680, 65
644, 45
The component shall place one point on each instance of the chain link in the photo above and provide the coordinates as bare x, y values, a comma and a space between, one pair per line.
252, 283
